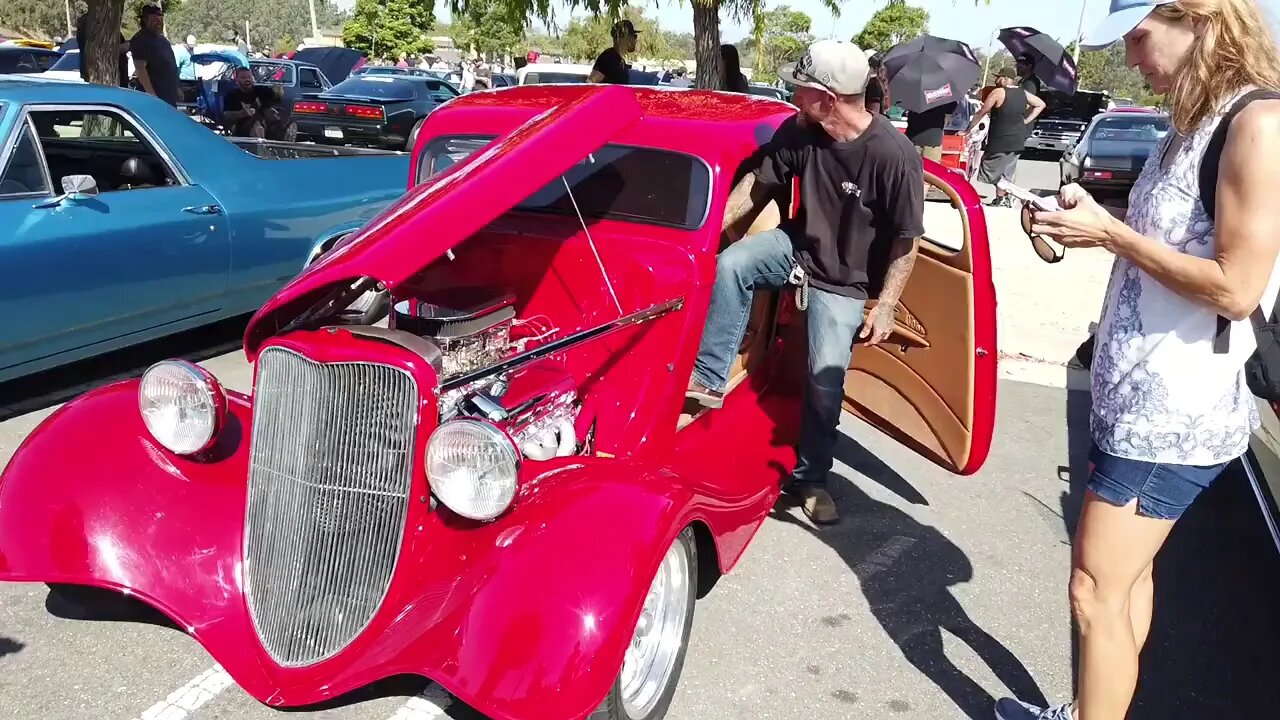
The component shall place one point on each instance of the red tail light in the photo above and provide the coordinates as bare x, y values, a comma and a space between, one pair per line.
1097, 174
366, 112
310, 107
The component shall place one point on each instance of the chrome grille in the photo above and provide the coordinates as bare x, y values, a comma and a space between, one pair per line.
329, 481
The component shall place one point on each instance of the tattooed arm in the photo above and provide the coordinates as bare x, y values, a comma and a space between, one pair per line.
902, 258
748, 196
906, 214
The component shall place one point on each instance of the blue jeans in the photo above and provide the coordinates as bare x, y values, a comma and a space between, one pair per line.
765, 261
1163, 490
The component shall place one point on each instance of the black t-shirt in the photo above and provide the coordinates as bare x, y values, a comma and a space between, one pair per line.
162, 67
1030, 85
874, 94
613, 67
260, 98
856, 198
926, 129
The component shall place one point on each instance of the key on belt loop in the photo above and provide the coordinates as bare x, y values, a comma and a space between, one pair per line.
800, 279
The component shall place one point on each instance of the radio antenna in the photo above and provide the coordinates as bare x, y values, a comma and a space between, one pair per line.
591, 242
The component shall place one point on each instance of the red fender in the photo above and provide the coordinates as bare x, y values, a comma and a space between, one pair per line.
473, 607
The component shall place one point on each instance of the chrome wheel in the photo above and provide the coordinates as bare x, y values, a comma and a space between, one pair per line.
657, 644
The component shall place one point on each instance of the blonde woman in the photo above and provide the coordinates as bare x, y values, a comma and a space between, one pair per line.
1171, 409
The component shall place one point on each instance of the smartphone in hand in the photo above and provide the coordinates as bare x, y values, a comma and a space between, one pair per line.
1048, 204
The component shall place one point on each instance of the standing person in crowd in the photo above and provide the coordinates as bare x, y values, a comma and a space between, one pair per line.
733, 79
82, 43
1027, 80
186, 68
611, 66
680, 78
1012, 111
153, 56
1171, 406
874, 96
860, 187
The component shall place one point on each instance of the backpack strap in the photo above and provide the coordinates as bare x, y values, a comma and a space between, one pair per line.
1212, 158
1209, 166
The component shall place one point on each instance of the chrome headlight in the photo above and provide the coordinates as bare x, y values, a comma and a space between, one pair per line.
471, 466
182, 405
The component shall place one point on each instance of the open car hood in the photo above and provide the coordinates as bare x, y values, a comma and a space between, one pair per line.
336, 63
438, 214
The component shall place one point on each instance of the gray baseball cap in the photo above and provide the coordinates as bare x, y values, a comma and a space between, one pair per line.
835, 65
1124, 16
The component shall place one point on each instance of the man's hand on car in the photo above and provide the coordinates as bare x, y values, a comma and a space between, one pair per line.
879, 324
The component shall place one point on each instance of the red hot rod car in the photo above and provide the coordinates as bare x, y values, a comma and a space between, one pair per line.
494, 481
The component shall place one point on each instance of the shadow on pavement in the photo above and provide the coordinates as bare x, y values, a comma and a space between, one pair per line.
1212, 648
51, 387
906, 570
9, 646
94, 604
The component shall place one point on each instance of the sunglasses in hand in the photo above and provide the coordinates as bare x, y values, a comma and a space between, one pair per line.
1044, 249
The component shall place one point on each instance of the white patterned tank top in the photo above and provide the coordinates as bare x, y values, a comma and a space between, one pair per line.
1160, 393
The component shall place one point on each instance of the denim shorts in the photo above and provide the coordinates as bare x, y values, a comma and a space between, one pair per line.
1163, 490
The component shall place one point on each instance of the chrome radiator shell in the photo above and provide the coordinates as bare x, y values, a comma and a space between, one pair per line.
330, 474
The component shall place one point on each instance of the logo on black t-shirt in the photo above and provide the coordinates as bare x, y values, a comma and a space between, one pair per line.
851, 189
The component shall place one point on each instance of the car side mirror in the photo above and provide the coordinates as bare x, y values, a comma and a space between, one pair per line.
75, 188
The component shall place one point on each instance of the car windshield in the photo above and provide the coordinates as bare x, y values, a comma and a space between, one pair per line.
382, 87
622, 182
272, 73
69, 61
546, 78
1131, 130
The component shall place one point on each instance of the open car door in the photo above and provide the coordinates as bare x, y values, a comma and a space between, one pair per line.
932, 384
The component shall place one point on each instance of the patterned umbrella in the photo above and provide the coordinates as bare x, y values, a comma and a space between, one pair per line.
1053, 64
929, 72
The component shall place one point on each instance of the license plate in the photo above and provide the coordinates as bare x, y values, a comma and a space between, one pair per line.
333, 132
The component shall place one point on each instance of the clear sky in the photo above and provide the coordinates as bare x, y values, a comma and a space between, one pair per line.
956, 19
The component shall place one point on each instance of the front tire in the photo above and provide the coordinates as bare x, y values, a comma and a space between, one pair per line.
654, 659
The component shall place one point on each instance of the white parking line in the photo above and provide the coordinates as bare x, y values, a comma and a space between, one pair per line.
426, 705
188, 698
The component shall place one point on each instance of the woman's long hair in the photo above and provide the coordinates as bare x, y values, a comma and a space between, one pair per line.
1235, 51
734, 80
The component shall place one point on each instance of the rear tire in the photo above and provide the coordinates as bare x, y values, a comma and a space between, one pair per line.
648, 679
413, 134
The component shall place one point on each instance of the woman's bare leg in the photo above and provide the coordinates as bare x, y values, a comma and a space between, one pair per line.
1113, 549
1141, 603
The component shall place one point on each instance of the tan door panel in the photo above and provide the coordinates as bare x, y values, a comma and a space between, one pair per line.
918, 387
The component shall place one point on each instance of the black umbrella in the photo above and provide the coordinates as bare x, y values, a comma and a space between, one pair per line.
1053, 64
929, 72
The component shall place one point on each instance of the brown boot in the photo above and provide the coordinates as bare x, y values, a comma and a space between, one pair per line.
704, 395
817, 504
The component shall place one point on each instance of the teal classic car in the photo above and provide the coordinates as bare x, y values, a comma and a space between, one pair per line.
122, 219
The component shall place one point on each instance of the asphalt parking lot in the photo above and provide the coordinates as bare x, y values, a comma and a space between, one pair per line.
935, 594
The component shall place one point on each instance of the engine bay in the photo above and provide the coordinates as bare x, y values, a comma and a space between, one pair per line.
535, 402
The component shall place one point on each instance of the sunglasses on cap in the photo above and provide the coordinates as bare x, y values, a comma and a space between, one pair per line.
1044, 249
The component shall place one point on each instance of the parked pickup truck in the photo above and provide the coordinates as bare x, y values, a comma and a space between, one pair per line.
125, 220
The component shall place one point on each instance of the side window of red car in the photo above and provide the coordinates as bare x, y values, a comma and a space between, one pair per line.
636, 184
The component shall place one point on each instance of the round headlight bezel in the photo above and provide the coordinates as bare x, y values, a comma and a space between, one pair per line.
214, 395
442, 491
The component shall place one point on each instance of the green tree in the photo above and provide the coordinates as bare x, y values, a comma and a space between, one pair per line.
585, 38
892, 24
390, 28
219, 21
706, 24
786, 35
488, 27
